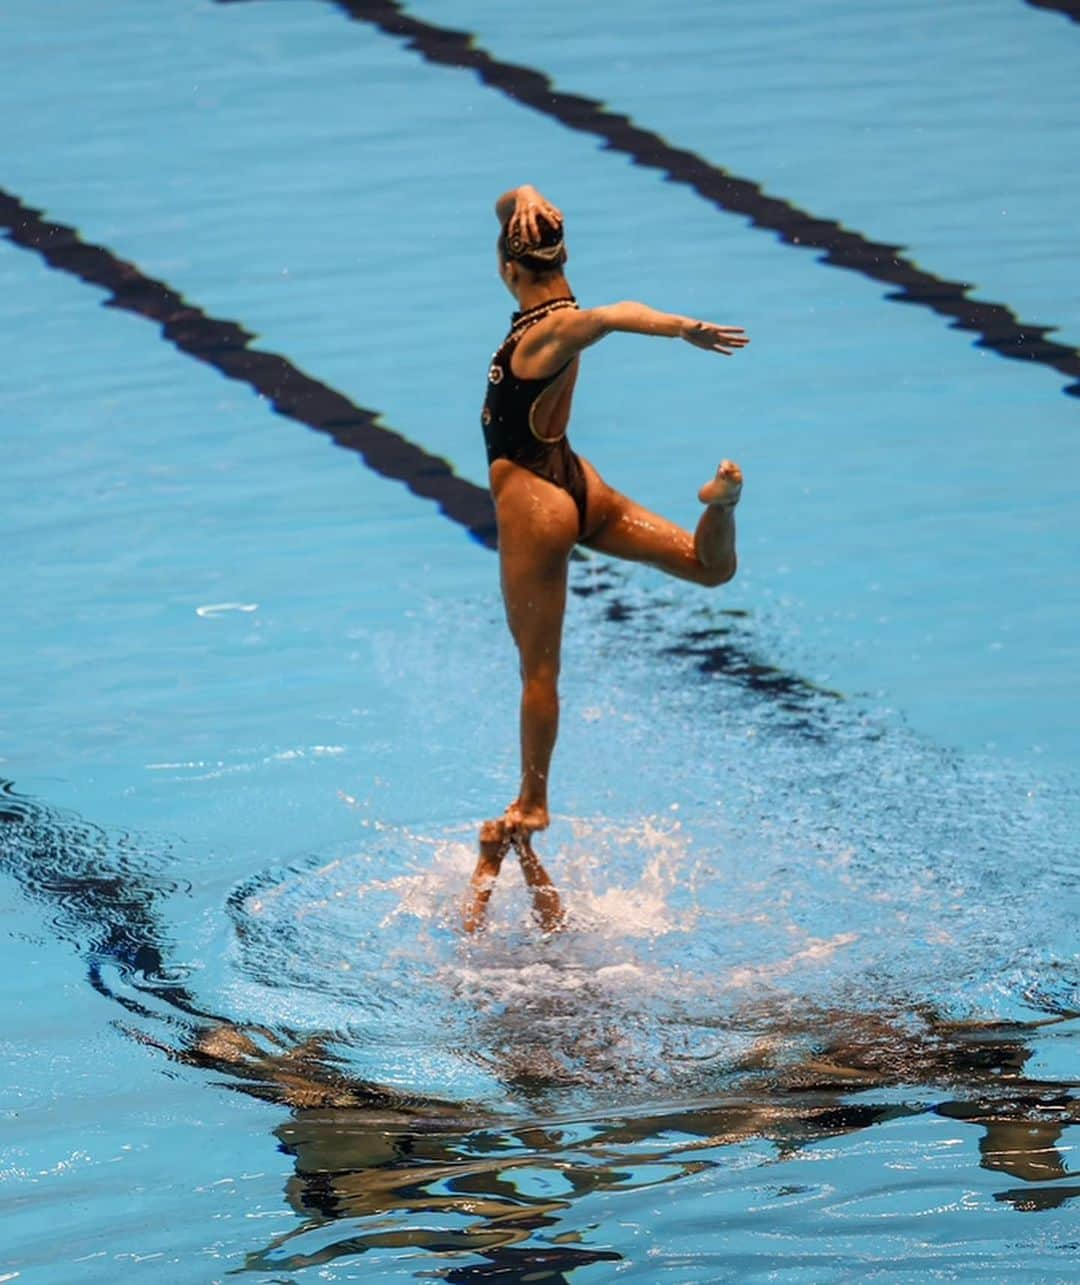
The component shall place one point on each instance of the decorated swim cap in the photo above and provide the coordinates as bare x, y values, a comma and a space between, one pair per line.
549, 251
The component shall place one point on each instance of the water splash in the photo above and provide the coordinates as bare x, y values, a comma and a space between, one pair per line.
902, 882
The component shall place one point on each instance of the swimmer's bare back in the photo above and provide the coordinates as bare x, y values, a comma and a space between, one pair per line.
547, 499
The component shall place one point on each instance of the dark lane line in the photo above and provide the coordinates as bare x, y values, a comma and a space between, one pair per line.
1068, 8
998, 327
224, 345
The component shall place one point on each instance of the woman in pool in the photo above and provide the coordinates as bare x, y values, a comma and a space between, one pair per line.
547, 499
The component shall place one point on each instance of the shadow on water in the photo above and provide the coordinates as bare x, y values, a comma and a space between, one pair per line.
718, 643
375, 1169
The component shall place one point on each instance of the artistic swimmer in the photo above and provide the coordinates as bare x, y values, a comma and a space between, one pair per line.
548, 499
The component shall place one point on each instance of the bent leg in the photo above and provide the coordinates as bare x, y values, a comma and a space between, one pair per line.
624, 529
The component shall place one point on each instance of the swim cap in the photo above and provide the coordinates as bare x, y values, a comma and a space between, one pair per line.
549, 252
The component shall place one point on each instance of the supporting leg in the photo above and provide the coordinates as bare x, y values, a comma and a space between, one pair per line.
538, 527
539, 729
535, 539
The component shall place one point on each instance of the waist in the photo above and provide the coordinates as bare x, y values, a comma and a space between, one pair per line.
519, 443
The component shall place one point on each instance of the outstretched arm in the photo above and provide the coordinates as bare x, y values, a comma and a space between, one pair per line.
569, 332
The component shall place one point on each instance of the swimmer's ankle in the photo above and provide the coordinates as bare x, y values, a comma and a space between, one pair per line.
525, 816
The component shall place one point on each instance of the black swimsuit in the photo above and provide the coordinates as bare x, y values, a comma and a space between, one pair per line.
507, 415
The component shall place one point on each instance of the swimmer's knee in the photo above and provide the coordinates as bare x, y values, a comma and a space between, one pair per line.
541, 672
541, 687
543, 683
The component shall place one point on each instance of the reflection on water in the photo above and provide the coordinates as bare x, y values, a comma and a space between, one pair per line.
449, 1178
864, 932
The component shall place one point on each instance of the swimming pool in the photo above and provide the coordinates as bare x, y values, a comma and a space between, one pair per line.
815, 1015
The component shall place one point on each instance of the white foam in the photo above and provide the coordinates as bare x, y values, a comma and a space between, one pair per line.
212, 609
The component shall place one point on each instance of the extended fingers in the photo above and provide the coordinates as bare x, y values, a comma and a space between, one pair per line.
735, 336
525, 222
516, 228
522, 227
722, 339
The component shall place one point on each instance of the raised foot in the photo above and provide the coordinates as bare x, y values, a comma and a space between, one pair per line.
723, 490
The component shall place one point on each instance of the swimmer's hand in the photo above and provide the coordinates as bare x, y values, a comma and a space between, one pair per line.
530, 208
721, 339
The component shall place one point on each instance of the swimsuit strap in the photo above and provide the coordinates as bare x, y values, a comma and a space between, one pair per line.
538, 307
521, 321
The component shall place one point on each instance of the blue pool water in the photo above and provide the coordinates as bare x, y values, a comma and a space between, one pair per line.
815, 1014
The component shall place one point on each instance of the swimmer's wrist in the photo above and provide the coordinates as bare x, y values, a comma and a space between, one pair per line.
514, 201
526, 197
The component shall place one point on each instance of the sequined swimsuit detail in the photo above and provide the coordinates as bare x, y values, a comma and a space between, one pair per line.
507, 415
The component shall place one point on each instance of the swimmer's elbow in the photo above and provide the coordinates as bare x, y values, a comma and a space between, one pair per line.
626, 317
576, 330
611, 317
639, 319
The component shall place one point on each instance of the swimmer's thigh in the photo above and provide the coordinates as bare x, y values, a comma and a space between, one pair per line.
538, 527
622, 528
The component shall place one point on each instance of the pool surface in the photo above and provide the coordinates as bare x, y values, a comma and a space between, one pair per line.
815, 1013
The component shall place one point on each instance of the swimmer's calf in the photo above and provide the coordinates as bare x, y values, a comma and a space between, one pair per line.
714, 538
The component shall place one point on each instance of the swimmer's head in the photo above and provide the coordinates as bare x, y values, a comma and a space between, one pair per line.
534, 262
